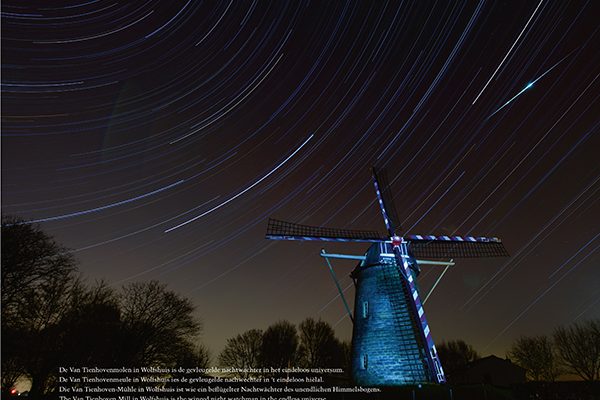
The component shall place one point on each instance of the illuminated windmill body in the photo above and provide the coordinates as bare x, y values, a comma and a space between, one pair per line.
391, 339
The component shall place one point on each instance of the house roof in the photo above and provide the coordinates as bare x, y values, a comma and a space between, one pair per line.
492, 359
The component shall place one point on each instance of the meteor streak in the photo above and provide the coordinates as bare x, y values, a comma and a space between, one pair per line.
527, 87
509, 50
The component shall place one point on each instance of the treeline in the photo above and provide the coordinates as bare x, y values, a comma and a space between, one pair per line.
573, 349
51, 318
570, 350
281, 345
455, 355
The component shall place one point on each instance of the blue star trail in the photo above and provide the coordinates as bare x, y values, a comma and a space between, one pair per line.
243, 191
105, 207
155, 140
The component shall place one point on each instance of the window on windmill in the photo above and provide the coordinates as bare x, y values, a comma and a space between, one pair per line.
365, 309
365, 361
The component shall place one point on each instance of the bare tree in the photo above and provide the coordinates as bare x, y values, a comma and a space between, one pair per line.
318, 345
197, 356
536, 356
200, 357
51, 318
279, 345
38, 277
30, 259
91, 329
158, 324
13, 367
242, 352
347, 354
579, 348
455, 354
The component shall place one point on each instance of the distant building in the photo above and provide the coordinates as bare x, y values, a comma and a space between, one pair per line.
491, 370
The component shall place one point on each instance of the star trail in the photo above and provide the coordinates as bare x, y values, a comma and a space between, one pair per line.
156, 138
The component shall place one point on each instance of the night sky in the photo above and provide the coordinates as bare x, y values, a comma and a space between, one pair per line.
122, 120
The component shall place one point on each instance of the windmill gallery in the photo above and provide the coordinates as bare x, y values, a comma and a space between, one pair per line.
391, 340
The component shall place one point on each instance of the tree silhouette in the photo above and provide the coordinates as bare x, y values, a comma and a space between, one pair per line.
50, 318
84, 333
13, 366
318, 345
347, 354
579, 348
30, 258
455, 354
242, 352
279, 345
197, 356
91, 330
38, 276
158, 325
536, 356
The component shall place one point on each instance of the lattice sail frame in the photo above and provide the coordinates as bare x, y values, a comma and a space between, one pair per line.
424, 246
282, 230
455, 247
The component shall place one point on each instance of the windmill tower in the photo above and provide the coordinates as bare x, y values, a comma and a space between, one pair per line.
391, 339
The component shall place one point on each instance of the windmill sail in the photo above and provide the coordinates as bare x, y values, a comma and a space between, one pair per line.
456, 247
384, 197
282, 230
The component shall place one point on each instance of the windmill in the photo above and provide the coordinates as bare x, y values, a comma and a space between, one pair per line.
391, 339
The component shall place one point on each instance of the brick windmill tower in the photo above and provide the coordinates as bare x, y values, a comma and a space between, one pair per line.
391, 339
